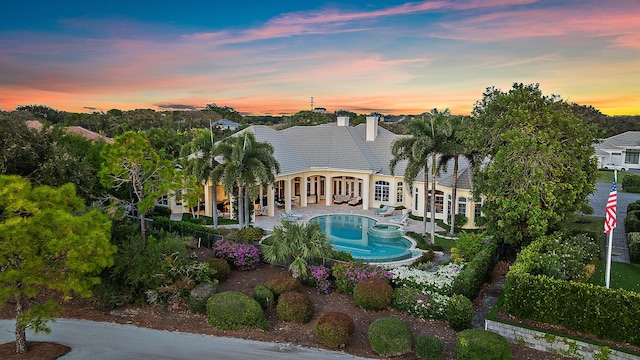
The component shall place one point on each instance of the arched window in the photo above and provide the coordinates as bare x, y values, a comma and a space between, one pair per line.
381, 191
400, 192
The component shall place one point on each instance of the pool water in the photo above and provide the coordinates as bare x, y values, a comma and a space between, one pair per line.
364, 239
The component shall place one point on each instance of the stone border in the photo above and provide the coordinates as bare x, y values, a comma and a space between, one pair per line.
555, 344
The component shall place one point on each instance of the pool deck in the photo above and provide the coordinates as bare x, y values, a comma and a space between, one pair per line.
268, 222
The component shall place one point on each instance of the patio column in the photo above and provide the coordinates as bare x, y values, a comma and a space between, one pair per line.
303, 192
328, 195
207, 198
287, 195
271, 200
366, 192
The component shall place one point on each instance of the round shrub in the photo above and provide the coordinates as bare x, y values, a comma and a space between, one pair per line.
390, 336
221, 267
263, 296
282, 283
249, 235
334, 329
429, 348
459, 312
373, 294
232, 310
295, 306
481, 344
199, 295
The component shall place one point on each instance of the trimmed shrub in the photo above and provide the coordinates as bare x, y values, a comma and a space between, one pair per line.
221, 267
334, 329
459, 312
633, 239
373, 294
282, 283
199, 295
479, 344
249, 235
473, 276
232, 310
263, 296
633, 206
631, 183
348, 275
429, 348
390, 336
632, 221
295, 306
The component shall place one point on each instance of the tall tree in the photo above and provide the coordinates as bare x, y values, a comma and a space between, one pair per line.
451, 149
539, 166
246, 163
199, 157
130, 163
419, 150
47, 240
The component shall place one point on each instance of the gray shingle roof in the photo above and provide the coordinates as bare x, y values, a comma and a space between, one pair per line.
620, 141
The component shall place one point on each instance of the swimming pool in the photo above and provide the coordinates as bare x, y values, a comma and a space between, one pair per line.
365, 239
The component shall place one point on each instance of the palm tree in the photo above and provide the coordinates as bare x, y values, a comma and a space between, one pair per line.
418, 150
451, 149
298, 243
246, 163
199, 157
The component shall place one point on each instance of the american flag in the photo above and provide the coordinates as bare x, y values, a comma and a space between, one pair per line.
610, 218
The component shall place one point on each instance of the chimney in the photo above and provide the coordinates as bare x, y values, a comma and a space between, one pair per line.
343, 121
372, 128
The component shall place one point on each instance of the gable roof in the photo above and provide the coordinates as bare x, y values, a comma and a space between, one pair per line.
629, 139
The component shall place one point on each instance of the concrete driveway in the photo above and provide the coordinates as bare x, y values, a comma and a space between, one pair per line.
109, 341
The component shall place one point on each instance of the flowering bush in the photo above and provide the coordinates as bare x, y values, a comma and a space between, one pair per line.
348, 275
318, 277
241, 256
425, 305
440, 281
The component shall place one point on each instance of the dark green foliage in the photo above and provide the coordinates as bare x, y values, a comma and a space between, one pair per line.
160, 211
334, 329
295, 306
424, 260
199, 295
469, 244
633, 206
633, 239
181, 227
429, 348
282, 283
341, 255
476, 344
632, 221
459, 313
473, 276
221, 267
235, 311
373, 294
264, 296
605, 313
390, 336
631, 183
249, 235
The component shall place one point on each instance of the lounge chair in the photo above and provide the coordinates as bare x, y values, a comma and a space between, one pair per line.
355, 201
279, 204
340, 199
390, 210
288, 218
261, 210
400, 220
381, 210
291, 214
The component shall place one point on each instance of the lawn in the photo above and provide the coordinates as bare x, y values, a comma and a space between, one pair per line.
606, 176
623, 276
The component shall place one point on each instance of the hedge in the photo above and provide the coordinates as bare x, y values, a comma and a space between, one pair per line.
633, 240
632, 221
606, 313
473, 276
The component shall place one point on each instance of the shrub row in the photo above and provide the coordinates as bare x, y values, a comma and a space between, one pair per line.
633, 240
166, 224
632, 221
631, 183
473, 276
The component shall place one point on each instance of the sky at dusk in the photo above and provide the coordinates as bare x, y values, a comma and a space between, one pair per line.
271, 57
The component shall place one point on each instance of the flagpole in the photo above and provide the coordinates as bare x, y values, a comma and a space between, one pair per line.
608, 272
608, 276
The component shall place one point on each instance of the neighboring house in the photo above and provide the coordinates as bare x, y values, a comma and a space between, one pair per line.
75, 130
225, 124
320, 163
619, 152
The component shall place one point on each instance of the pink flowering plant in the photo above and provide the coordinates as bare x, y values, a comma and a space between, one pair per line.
318, 277
348, 275
241, 256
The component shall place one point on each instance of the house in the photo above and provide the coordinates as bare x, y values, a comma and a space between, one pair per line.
75, 130
318, 163
619, 152
225, 124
